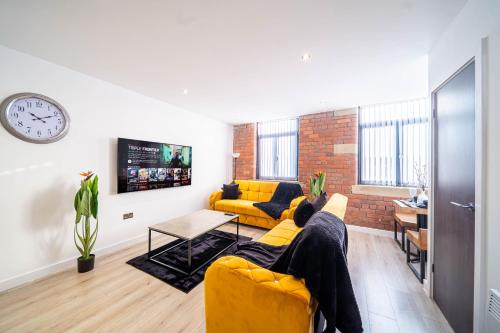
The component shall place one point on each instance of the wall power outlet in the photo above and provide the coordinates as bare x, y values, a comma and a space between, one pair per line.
128, 216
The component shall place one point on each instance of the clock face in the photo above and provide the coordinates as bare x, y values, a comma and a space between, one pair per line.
34, 118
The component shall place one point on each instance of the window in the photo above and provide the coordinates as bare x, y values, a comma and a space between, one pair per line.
393, 142
277, 143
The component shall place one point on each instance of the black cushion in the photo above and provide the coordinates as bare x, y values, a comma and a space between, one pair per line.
319, 202
302, 213
230, 191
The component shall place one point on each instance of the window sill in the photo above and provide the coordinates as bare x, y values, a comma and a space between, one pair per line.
290, 180
382, 191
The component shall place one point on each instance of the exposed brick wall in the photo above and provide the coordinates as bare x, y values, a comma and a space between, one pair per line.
370, 211
319, 136
244, 142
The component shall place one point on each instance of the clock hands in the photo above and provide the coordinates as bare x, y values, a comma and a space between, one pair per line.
38, 118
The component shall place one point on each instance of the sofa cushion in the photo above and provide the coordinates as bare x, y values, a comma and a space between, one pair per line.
282, 234
230, 191
319, 202
303, 212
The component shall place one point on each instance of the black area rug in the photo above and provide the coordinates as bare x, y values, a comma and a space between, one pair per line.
203, 248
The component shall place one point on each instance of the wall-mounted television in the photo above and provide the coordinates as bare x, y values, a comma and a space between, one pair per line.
145, 165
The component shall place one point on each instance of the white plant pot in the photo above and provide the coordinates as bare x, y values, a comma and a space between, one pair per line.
422, 196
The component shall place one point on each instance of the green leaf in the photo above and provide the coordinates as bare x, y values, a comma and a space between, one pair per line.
84, 207
94, 187
78, 217
321, 182
95, 205
316, 188
77, 200
77, 207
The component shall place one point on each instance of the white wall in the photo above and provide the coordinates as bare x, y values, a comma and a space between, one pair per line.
493, 163
461, 41
38, 182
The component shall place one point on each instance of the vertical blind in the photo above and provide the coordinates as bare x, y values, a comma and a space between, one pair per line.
277, 149
393, 142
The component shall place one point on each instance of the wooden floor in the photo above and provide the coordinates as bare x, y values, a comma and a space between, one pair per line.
116, 297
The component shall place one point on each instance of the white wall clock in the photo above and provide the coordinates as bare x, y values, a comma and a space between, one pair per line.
34, 118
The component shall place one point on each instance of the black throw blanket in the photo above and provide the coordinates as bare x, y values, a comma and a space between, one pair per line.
319, 255
284, 194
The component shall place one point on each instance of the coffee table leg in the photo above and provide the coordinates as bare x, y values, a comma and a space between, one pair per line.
238, 229
189, 254
149, 243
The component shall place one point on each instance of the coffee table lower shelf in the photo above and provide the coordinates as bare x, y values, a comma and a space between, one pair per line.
190, 270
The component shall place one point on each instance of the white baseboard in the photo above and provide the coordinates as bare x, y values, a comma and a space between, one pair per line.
371, 231
63, 265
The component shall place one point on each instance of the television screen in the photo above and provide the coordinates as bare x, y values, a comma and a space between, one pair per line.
144, 165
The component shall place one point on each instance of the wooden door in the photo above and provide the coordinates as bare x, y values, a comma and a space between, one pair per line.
454, 105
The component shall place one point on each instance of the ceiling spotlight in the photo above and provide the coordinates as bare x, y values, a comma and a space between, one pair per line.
306, 57
185, 91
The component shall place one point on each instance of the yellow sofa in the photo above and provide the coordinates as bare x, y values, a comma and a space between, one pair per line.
243, 297
251, 191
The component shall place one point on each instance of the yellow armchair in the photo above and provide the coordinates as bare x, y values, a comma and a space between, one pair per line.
257, 299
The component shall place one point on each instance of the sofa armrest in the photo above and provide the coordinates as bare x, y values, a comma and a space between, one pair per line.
293, 205
243, 297
284, 215
215, 196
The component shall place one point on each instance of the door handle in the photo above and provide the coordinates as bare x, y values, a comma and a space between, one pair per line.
470, 206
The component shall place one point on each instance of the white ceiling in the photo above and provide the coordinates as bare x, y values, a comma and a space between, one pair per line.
240, 60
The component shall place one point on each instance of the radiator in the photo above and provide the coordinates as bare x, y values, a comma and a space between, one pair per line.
493, 316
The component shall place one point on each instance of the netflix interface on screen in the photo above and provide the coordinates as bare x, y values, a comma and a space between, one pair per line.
145, 165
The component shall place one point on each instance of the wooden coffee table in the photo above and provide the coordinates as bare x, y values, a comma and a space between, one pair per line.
187, 228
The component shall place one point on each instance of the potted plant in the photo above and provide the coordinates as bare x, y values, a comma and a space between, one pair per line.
86, 204
317, 184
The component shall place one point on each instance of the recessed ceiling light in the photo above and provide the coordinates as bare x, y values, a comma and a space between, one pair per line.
185, 91
306, 57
